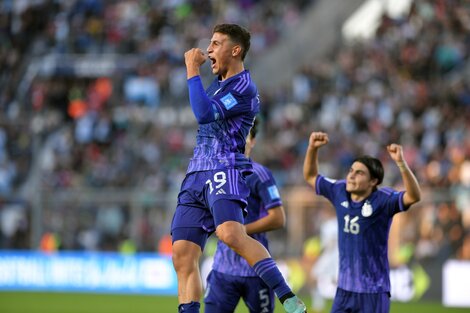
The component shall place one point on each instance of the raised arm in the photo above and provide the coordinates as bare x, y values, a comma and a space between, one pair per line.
412, 190
200, 102
317, 139
275, 219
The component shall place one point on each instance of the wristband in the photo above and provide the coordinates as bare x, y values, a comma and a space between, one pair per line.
402, 166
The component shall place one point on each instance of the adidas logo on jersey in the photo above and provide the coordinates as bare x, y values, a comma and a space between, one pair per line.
220, 192
345, 204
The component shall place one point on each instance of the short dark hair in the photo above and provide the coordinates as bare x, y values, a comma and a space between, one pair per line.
254, 129
374, 166
237, 34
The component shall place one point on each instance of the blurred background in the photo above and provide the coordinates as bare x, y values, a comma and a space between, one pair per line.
96, 132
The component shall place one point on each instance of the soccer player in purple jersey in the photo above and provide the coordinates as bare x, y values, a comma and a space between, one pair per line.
213, 194
232, 277
364, 214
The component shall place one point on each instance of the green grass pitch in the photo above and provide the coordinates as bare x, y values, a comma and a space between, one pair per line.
32, 302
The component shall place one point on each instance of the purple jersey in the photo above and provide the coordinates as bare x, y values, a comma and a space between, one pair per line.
221, 144
264, 195
363, 234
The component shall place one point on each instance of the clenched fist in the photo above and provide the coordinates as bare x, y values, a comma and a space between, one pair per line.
194, 57
396, 152
318, 139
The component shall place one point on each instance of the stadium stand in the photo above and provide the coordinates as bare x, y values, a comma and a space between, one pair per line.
94, 152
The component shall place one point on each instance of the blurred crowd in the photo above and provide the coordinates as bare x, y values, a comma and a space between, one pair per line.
410, 84
131, 129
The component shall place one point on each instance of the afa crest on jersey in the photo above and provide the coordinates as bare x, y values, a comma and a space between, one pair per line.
229, 101
366, 209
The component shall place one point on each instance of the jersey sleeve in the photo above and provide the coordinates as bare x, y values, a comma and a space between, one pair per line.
201, 104
269, 194
238, 98
325, 187
266, 188
393, 202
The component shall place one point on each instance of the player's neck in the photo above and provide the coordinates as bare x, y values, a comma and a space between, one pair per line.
358, 197
233, 70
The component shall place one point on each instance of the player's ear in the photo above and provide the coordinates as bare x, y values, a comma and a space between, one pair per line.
236, 50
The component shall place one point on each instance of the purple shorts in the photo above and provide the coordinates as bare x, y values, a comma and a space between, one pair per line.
347, 301
224, 291
206, 200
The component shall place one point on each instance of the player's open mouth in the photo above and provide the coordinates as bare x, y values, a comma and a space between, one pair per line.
213, 61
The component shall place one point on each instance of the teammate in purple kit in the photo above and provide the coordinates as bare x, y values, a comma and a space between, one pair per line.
232, 277
213, 194
364, 213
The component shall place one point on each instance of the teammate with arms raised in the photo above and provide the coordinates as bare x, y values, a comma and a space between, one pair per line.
232, 277
213, 194
364, 213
